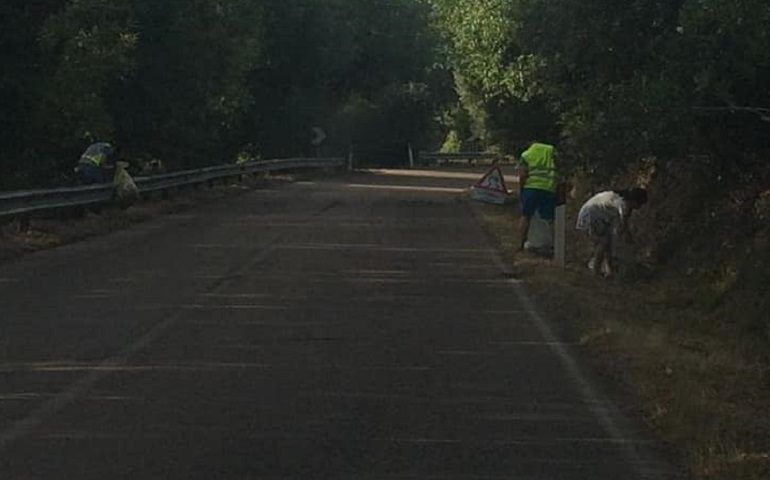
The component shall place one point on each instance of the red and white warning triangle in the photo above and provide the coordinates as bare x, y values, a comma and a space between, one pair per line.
491, 187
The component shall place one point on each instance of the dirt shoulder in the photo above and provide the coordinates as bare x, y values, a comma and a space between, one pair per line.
701, 394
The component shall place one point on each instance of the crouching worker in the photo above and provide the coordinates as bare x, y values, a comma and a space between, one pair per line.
604, 215
97, 164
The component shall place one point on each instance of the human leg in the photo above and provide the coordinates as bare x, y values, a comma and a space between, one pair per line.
600, 231
529, 205
606, 264
524, 223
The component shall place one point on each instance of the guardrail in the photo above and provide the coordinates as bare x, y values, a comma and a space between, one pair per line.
29, 202
471, 158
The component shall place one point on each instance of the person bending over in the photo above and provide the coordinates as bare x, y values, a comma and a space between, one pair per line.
602, 216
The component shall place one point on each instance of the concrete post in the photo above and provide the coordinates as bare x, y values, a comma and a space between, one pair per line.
559, 241
560, 226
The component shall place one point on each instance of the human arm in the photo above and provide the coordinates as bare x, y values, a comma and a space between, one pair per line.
624, 228
523, 172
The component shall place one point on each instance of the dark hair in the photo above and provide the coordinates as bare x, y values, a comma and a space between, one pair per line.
636, 195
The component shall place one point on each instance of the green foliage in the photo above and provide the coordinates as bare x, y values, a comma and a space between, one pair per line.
616, 80
196, 82
361, 70
86, 46
188, 93
495, 77
452, 143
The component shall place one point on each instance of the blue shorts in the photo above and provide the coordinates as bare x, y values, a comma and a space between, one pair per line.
542, 201
91, 174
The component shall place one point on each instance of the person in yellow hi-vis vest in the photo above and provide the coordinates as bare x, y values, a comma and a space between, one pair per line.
538, 179
97, 164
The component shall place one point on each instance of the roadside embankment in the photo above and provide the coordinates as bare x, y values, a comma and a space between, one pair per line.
683, 330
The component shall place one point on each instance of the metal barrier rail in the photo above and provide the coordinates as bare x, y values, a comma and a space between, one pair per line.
27, 202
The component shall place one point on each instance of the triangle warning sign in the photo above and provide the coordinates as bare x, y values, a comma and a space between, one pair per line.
493, 180
491, 187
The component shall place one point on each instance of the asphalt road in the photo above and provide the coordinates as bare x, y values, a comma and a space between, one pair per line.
354, 328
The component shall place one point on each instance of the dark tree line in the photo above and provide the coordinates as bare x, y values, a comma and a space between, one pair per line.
200, 82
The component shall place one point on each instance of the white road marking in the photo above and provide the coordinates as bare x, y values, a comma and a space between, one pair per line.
402, 188
422, 441
539, 417
37, 396
379, 272
516, 441
146, 368
260, 323
93, 296
204, 307
426, 173
503, 312
379, 248
464, 353
222, 246
604, 410
193, 306
236, 295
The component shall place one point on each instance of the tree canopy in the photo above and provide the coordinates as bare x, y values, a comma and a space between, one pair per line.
199, 82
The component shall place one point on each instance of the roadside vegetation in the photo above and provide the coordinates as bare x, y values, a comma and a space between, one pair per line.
670, 95
197, 83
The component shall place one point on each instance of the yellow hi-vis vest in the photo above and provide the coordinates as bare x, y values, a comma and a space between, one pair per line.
96, 154
96, 160
541, 167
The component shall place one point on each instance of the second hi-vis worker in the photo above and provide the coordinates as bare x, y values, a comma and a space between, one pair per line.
537, 180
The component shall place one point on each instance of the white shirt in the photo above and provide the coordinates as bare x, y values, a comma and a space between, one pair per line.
607, 206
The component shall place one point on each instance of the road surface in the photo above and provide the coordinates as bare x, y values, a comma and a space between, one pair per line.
353, 328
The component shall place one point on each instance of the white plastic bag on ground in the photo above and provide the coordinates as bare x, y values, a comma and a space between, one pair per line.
540, 234
126, 191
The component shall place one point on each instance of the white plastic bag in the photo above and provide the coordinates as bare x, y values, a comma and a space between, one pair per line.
540, 234
126, 191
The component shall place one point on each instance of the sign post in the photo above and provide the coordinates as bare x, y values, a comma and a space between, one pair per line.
560, 226
318, 138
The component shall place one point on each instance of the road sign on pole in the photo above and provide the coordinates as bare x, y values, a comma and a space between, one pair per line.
318, 136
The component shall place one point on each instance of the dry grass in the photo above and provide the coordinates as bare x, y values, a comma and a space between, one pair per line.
685, 375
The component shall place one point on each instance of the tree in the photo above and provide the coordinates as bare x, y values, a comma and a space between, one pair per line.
184, 101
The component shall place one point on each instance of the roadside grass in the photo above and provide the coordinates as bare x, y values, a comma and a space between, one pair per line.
69, 227
675, 367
